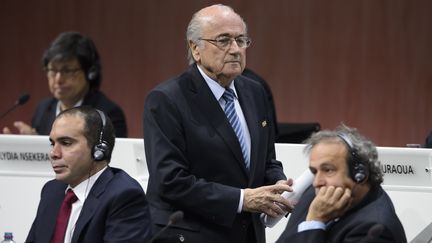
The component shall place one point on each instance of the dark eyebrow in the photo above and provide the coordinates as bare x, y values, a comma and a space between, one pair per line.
312, 170
63, 138
326, 164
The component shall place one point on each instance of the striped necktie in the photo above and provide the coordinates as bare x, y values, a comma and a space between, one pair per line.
233, 119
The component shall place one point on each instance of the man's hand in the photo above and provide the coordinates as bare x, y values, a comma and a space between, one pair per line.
22, 127
267, 199
288, 182
329, 203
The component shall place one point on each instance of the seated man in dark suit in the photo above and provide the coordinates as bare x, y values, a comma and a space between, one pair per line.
346, 202
88, 201
74, 75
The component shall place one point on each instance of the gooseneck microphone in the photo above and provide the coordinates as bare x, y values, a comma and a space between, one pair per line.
20, 101
176, 217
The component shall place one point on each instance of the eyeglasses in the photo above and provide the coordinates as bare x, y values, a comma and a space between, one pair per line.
224, 42
65, 72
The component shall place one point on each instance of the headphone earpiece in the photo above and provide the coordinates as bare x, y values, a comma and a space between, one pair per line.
92, 73
358, 170
101, 149
360, 174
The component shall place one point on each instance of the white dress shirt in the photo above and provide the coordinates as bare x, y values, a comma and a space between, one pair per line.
218, 91
81, 191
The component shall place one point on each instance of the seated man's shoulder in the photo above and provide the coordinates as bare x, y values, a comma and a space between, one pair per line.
46, 103
122, 180
99, 100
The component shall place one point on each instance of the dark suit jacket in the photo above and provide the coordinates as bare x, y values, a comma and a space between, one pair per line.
45, 113
195, 161
115, 210
375, 208
272, 109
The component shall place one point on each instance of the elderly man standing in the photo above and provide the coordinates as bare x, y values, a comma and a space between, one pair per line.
209, 141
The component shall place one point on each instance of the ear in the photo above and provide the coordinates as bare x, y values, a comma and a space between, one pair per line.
195, 51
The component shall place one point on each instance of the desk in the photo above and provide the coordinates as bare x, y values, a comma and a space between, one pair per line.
25, 168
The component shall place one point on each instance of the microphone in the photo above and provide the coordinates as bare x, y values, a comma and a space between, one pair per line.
175, 217
373, 234
20, 101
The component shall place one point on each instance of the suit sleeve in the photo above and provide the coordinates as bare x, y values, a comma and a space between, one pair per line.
129, 218
170, 170
360, 233
34, 234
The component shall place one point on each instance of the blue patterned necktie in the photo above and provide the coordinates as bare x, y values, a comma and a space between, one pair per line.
234, 120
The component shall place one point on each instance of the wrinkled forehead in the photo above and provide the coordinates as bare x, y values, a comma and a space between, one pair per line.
330, 152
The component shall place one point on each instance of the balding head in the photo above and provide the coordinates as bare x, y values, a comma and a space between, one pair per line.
217, 41
206, 16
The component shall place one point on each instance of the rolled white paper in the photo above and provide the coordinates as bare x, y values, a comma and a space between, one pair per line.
299, 186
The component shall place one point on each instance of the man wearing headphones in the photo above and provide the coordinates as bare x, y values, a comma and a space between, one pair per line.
88, 201
73, 69
346, 202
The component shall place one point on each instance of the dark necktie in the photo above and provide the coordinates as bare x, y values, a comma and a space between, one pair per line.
63, 217
233, 119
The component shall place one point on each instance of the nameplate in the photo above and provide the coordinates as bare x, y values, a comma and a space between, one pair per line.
25, 155
406, 166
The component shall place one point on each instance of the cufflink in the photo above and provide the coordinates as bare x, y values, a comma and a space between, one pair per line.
264, 123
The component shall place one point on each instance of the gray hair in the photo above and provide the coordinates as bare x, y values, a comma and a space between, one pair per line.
194, 29
365, 149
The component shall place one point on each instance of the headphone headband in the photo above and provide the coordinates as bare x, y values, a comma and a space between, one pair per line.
101, 149
358, 170
103, 119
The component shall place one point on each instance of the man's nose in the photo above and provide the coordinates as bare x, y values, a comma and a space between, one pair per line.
55, 152
234, 47
318, 180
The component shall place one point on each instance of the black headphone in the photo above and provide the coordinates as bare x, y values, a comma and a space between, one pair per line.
93, 72
358, 168
101, 150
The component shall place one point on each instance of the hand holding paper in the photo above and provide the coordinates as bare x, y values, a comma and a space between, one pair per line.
299, 186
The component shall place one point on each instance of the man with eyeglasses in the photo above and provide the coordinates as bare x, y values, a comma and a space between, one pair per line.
73, 70
209, 141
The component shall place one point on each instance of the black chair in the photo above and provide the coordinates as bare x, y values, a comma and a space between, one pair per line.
296, 132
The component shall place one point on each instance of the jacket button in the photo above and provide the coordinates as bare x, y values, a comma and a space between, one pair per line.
181, 238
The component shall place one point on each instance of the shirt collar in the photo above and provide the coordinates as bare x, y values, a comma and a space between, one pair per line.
215, 87
58, 109
82, 190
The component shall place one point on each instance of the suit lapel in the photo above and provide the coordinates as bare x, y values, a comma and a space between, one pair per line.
204, 99
91, 203
50, 212
246, 100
